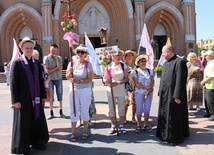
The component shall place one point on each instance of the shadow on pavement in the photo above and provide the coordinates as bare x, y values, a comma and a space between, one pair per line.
91, 150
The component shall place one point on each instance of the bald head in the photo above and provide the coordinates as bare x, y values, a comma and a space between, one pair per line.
168, 51
168, 48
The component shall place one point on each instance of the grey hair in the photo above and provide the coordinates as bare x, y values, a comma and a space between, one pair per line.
35, 52
190, 55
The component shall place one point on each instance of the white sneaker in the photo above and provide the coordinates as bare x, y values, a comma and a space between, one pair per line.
112, 130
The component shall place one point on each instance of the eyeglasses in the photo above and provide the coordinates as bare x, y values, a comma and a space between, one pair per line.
80, 52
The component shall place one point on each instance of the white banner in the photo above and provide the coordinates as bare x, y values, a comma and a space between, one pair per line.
112, 50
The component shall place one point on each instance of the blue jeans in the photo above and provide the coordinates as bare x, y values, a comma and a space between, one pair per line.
59, 88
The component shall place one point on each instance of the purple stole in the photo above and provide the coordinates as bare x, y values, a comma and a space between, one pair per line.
34, 86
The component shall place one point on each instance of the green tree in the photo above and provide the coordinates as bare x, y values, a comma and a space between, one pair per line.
199, 50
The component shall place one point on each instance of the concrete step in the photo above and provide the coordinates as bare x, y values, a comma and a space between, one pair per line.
2, 77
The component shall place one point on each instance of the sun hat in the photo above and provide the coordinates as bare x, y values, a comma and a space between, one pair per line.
81, 47
142, 56
26, 39
120, 51
127, 52
209, 52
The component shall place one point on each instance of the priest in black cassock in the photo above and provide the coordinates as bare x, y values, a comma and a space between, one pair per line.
173, 123
27, 96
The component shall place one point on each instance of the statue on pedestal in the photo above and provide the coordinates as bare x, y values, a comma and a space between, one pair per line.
155, 47
103, 36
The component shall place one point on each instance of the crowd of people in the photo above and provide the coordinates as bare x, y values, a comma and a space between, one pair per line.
128, 82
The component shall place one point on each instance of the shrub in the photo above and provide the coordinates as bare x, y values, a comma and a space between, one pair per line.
158, 69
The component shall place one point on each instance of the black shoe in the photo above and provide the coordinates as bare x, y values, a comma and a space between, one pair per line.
63, 116
207, 115
50, 117
174, 144
211, 118
39, 147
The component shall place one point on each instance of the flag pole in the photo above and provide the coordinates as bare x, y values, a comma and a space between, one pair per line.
71, 60
112, 91
114, 106
138, 51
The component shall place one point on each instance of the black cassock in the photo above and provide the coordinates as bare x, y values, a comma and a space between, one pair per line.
26, 130
173, 123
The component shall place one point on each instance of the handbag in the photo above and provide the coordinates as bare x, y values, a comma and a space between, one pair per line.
49, 95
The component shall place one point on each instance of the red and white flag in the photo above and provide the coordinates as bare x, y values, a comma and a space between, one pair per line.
16, 52
146, 43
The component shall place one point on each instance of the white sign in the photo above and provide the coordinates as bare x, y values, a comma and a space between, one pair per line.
112, 50
100, 51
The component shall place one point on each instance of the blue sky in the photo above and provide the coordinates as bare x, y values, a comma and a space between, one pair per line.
204, 19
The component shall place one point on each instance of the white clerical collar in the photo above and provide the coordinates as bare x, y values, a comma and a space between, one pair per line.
25, 60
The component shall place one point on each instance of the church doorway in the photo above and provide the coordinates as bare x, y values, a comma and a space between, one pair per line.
95, 41
161, 41
158, 40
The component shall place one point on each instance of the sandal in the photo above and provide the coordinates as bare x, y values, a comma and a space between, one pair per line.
134, 121
84, 136
90, 124
138, 129
121, 129
147, 128
73, 138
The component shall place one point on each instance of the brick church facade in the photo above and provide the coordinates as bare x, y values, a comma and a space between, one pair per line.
124, 19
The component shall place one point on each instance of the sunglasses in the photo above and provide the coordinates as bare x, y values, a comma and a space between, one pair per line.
80, 52
142, 61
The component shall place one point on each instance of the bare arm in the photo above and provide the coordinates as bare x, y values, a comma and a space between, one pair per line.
137, 84
206, 80
69, 73
58, 63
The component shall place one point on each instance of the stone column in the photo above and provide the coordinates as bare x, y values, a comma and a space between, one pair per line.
188, 8
47, 36
139, 20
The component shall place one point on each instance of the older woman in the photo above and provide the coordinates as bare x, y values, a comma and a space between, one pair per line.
44, 70
144, 83
195, 75
81, 79
119, 75
128, 59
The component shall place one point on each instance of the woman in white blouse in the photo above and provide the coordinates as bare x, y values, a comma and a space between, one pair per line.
81, 79
119, 75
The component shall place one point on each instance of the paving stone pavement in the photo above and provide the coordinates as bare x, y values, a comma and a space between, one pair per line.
200, 142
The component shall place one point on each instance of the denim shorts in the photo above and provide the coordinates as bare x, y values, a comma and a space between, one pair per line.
59, 88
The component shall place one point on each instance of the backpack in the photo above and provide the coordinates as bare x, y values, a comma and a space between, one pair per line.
146, 69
